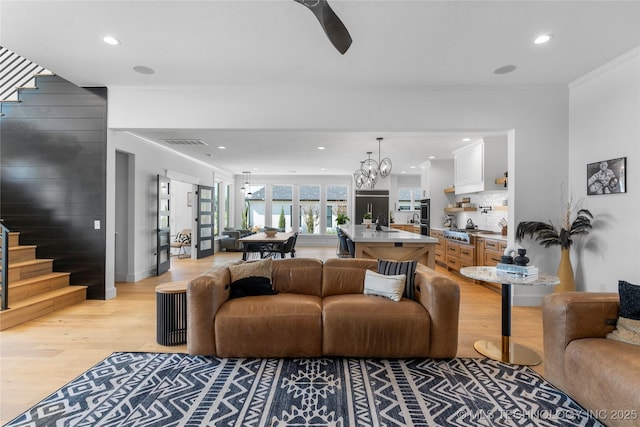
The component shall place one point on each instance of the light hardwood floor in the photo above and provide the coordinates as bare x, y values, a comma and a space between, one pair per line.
42, 355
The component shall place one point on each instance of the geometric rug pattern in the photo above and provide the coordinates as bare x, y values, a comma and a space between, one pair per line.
164, 389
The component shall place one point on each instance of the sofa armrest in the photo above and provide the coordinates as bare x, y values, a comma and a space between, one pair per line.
441, 297
569, 316
205, 295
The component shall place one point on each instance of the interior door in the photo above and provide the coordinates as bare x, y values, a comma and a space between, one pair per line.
163, 241
204, 244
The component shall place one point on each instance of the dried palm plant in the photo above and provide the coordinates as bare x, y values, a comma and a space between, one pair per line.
548, 235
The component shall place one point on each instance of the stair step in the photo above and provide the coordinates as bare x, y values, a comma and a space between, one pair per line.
14, 239
23, 289
23, 253
36, 306
28, 269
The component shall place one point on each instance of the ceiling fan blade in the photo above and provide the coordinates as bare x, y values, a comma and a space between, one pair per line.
331, 24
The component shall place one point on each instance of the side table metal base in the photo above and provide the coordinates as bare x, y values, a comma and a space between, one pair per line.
515, 354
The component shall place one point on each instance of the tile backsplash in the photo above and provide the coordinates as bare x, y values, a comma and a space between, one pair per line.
484, 219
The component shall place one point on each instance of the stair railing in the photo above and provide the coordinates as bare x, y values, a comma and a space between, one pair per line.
4, 276
15, 72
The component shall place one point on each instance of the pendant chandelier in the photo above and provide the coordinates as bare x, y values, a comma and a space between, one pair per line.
246, 183
367, 175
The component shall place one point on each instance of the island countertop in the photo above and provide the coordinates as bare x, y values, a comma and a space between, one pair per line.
360, 234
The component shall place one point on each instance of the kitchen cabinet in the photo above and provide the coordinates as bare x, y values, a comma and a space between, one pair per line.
459, 255
476, 166
441, 246
407, 227
489, 251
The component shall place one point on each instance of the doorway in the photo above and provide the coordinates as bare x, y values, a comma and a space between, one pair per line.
124, 217
181, 221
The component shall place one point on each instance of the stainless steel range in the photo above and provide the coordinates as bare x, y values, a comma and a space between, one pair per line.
458, 234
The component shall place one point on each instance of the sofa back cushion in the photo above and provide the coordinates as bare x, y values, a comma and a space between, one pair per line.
297, 275
345, 275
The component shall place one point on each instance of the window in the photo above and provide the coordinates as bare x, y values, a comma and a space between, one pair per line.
226, 205
256, 206
310, 209
281, 206
336, 203
409, 199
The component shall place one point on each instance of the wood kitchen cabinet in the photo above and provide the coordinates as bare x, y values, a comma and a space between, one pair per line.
489, 251
406, 227
459, 255
441, 247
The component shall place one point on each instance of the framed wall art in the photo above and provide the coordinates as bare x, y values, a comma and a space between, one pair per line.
607, 176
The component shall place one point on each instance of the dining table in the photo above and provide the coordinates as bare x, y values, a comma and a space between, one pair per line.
261, 240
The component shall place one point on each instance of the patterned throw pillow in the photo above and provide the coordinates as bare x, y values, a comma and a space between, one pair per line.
408, 268
628, 326
260, 268
183, 238
384, 285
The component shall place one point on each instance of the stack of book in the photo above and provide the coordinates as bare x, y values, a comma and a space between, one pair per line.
524, 270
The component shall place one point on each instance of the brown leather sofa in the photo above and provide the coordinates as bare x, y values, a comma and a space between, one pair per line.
600, 374
321, 310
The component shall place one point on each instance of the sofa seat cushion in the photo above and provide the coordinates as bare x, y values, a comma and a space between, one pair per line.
359, 325
603, 374
283, 325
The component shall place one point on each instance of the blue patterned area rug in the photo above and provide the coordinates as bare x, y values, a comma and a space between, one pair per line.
160, 389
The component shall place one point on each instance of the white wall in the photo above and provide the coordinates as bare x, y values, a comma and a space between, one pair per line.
605, 124
539, 116
150, 161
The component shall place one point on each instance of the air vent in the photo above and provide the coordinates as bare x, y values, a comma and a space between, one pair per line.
184, 142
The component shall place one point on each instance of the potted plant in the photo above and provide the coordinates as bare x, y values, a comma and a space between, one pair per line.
366, 219
341, 218
548, 235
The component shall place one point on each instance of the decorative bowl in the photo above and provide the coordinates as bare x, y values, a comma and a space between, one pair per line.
270, 233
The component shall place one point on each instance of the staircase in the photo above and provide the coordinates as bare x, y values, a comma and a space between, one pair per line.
33, 288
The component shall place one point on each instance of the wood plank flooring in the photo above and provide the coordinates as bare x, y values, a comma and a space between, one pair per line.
40, 356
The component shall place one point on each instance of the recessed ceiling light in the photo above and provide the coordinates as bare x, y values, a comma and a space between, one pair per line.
111, 40
432, 157
222, 147
403, 172
143, 70
322, 148
543, 38
412, 167
504, 69
466, 139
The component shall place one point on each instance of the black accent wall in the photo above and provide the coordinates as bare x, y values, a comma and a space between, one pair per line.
53, 151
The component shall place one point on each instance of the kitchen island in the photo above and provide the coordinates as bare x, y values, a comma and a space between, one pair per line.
393, 244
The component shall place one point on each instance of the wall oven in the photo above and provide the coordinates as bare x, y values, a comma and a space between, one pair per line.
425, 217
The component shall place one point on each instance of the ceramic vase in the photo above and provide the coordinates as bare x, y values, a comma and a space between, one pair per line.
565, 273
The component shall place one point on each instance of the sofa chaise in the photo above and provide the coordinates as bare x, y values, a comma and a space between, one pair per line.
320, 309
602, 375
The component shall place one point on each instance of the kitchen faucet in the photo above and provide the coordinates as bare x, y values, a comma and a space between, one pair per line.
378, 228
413, 218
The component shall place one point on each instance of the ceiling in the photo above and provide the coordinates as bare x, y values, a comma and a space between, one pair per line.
279, 43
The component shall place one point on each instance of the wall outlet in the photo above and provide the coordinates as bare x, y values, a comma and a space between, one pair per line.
96, 224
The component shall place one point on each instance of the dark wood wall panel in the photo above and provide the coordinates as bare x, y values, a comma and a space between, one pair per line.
53, 181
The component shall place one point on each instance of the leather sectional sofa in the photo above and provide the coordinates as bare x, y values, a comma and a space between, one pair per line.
320, 310
602, 375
